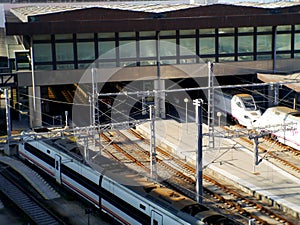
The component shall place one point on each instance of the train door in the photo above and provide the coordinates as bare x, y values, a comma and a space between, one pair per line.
57, 168
156, 218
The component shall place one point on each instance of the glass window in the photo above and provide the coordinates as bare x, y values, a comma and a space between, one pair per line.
187, 46
284, 28
264, 43
207, 45
168, 61
264, 56
63, 37
65, 66
147, 34
42, 52
41, 37
127, 49
226, 45
43, 67
147, 62
89, 36
264, 29
207, 59
83, 65
245, 58
127, 34
86, 50
187, 32
226, 59
297, 41
168, 47
226, 30
107, 64
283, 56
245, 29
188, 61
167, 33
207, 31
106, 35
245, 44
283, 42
148, 48
64, 51
107, 50
297, 27
127, 64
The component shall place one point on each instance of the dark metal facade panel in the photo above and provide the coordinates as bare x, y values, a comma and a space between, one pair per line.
97, 19
90, 14
216, 10
148, 24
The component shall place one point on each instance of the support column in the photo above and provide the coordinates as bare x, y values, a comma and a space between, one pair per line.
273, 93
35, 111
296, 100
160, 99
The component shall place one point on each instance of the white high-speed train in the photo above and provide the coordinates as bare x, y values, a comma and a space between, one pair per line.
118, 192
283, 123
240, 107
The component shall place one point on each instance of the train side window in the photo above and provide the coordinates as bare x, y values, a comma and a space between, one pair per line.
48, 151
142, 207
239, 104
155, 222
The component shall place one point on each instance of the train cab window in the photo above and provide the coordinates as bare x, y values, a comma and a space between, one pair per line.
142, 207
155, 222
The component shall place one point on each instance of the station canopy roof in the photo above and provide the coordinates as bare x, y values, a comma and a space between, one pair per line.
291, 81
57, 18
33, 10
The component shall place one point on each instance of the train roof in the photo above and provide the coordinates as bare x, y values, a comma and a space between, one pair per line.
141, 184
283, 110
135, 181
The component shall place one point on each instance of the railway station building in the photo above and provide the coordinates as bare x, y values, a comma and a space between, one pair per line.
151, 44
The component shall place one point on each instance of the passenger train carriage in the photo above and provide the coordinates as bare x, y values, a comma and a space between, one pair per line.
283, 123
122, 194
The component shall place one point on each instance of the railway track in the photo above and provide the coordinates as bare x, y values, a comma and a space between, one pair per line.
227, 196
25, 200
281, 155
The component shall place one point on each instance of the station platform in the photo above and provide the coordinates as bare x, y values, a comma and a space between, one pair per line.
32, 177
230, 161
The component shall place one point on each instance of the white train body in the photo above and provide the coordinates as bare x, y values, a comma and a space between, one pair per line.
241, 107
282, 122
127, 197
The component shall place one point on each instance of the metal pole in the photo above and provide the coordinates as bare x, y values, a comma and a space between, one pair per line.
66, 114
186, 100
276, 94
33, 122
153, 169
8, 119
255, 150
274, 48
158, 74
199, 173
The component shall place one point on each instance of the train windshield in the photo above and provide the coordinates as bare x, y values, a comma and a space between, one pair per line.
249, 103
